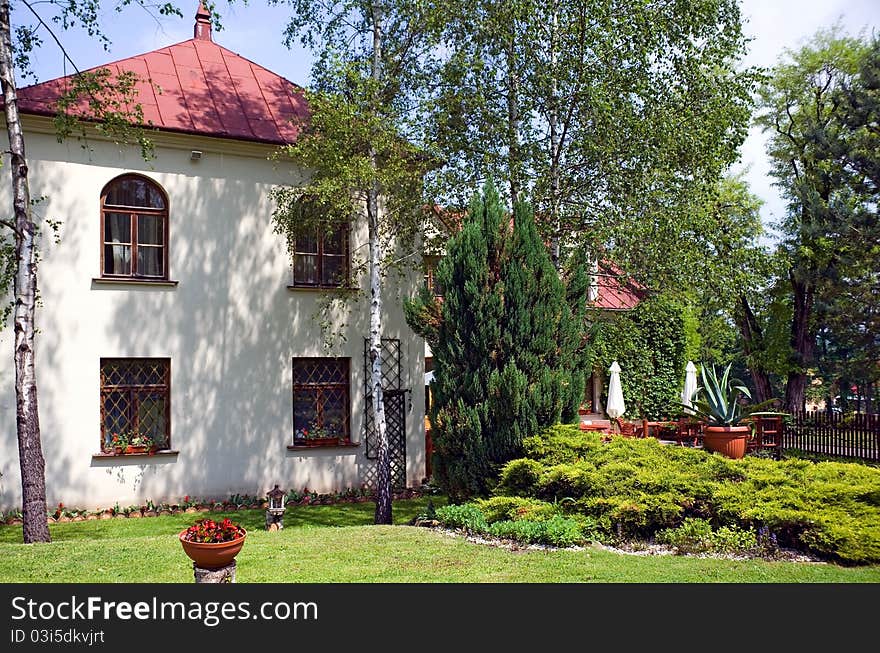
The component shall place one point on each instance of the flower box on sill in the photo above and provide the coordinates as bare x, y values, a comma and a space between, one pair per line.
141, 449
319, 442
132, 450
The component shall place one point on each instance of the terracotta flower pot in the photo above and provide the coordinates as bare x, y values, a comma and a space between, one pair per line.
212, 555
729, 441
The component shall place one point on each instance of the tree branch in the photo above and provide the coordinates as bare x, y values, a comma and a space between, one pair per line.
52, 34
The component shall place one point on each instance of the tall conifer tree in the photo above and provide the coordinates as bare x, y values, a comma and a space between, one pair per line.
509, 348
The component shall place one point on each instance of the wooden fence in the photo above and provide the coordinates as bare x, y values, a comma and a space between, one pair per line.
832, 434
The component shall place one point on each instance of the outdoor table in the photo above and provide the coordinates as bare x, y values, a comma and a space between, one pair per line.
603, 425
655, 429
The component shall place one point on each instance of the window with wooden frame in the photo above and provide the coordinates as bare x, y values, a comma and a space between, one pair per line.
430, 264
321, 260
134, 229
321, 405
135, 405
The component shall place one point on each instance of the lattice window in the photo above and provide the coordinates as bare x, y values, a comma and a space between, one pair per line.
321, 407
134, 229
135, 403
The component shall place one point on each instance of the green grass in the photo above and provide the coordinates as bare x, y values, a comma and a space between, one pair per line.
338, 544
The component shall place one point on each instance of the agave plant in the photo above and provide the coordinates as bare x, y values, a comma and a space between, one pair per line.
719, 401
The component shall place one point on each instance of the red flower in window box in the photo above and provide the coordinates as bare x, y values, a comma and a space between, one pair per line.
211, 544
318, 436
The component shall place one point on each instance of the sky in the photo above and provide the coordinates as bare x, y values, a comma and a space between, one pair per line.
255, 31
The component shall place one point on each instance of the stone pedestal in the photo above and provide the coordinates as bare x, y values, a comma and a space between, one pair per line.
222, 575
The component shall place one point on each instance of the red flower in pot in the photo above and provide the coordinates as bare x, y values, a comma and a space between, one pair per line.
212, 544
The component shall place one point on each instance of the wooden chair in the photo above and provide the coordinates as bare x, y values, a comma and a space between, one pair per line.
688, 431
767, 434
628, 429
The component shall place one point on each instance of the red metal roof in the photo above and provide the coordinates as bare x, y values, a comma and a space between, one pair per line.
615, 291
203, 89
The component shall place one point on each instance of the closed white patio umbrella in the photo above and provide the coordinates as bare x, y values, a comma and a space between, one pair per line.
690, 385
615, 407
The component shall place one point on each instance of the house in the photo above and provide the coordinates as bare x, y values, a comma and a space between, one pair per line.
170, 310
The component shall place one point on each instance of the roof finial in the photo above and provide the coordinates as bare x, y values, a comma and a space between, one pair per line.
202, 29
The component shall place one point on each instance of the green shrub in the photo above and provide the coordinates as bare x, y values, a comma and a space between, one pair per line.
518, 477
562, 443
568, 480
694, 535
649, 343
697, 536
516, 508
467, 516
631, 488
591, 530
525, 531
733, 539
556, 531
562, 531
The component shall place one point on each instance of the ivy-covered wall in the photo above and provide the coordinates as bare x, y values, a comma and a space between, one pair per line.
650, 343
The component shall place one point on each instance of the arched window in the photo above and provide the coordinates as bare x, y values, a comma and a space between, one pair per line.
134, 229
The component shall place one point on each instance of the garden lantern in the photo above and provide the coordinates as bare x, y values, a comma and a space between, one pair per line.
275, 511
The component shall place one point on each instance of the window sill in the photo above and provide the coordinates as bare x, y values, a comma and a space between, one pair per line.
165, 453
322, 288
106, 281
312, 447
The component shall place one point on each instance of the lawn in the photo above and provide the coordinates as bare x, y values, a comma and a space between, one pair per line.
338, 544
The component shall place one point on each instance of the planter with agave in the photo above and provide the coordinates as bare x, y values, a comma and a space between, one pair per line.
721, 404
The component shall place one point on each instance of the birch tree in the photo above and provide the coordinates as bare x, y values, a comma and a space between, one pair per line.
616, 118
110, 106
370, 62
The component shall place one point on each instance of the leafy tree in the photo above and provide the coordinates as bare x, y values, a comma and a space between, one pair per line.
508, 343
733, 280
616, 118
816, 107
370, 56
847, 307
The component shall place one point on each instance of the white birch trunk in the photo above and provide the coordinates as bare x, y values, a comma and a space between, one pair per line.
30, 452
555, 244
383, 463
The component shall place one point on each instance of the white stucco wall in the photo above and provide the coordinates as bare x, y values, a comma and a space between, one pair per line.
230, 327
